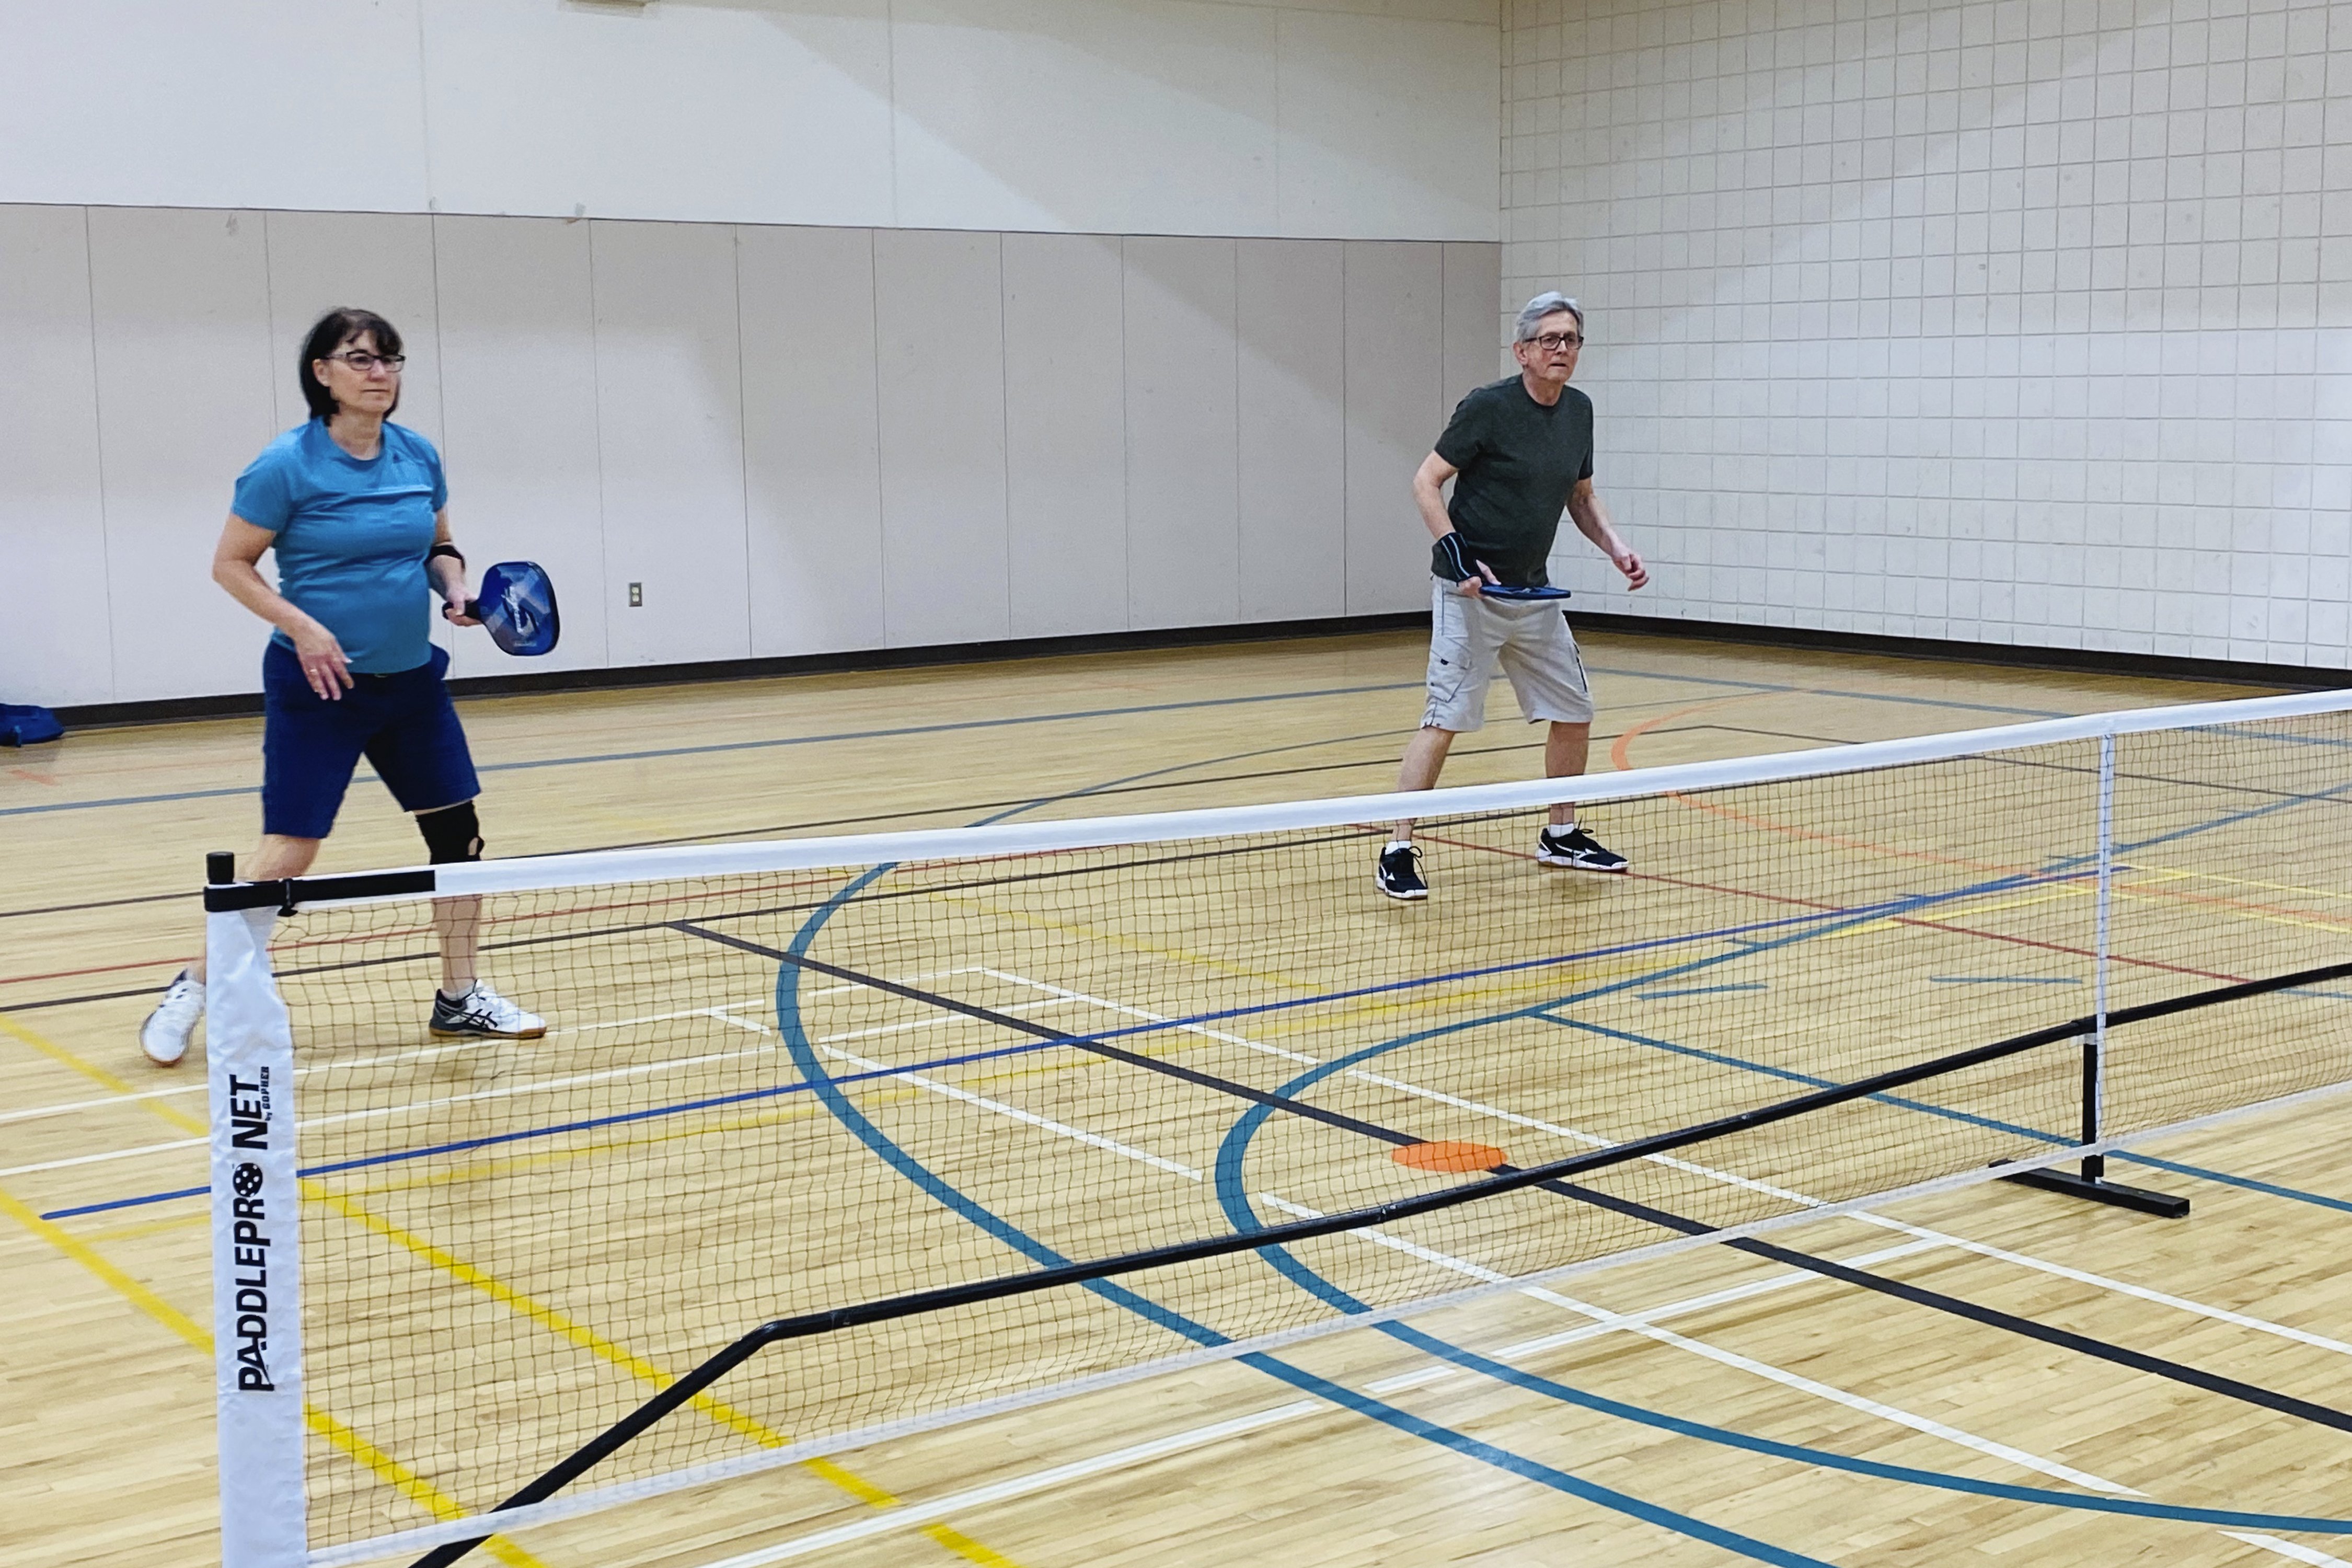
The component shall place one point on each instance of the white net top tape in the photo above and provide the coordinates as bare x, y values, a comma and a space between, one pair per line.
604, 867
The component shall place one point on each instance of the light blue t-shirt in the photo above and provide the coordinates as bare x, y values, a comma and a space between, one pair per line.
351, 538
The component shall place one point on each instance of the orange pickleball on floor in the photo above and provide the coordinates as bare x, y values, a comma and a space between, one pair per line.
1447, 1156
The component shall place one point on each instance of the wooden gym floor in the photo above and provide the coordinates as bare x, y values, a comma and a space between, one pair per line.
1643, 1414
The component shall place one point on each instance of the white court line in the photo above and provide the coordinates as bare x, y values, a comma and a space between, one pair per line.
1443, 1371
1094, 1140
1941, 1239
2289, 1549
901, 1517
1787, 1379
1762, 1369
105, 1155
422, 1538
38, 1111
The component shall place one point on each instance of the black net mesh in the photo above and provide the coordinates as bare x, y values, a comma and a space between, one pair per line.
763, 1096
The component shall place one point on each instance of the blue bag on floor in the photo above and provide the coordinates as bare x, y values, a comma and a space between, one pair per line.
22, 724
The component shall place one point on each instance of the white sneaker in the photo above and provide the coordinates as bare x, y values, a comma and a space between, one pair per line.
480, 1012
165, 1034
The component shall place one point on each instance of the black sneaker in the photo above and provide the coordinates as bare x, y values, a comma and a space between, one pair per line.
1574, 847
1398, 875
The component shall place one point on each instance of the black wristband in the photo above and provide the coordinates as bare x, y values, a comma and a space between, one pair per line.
1449, 560
449, 549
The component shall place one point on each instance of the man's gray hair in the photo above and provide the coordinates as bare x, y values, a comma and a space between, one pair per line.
1550, 303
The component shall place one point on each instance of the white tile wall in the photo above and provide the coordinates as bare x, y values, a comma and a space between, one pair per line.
799, 441
2019, 322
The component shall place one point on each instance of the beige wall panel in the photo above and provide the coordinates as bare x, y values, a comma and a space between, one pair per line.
519, 390
186, 398
1066, 433
377, 261
812, 441
1396, 407
55, 633
1183, 431
1292, 431
669, 430
940, 359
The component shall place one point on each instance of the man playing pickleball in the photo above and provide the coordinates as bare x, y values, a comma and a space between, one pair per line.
1518, 451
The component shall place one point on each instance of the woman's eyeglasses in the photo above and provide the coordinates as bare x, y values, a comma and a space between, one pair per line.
363, 362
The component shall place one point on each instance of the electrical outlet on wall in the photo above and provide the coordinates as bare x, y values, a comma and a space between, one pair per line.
636, 595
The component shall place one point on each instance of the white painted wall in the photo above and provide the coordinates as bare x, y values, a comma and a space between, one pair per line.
2019, 322
798, 439
1326, 118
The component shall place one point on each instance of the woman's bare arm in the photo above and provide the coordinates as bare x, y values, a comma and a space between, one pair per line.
237, 567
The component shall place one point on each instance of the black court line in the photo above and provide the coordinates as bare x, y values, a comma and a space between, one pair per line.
1917, 1295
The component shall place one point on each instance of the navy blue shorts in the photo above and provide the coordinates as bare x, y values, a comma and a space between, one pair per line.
404, 725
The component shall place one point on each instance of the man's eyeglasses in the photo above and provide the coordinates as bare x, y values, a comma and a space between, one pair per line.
1557, 343
363, 362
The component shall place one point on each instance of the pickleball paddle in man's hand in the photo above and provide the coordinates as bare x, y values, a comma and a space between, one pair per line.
518, 606
1519, 595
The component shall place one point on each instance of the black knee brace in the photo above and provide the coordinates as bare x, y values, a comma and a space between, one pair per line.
453, 833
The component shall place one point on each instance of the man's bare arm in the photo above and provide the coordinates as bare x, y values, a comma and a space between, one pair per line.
1591, 519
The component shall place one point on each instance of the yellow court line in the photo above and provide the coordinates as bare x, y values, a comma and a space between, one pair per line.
637, 1366
2182, 871
406, 1481
99, 1075
341, 1435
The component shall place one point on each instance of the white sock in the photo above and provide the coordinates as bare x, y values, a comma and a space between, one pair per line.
1398, 844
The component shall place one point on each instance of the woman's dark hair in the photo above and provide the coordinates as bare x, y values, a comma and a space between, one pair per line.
336, 328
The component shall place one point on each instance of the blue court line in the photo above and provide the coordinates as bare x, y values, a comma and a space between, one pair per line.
787, 987
947, 1196
1233, 1198
2055, 1141
1701, 991
2004, 980
1860, 915
2059, 871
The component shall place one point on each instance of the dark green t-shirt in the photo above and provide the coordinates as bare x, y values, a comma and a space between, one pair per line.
1518, 461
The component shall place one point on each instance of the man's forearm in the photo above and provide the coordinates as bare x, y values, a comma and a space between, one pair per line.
1591, 519
1433, 509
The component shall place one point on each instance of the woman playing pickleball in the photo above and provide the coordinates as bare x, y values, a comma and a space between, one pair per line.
356, 507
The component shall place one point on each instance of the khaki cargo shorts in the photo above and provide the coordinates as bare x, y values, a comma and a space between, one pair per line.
1469, 637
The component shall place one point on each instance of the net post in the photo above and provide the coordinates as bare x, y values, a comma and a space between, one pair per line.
256, 1316
2091, 1182
2094, 1166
